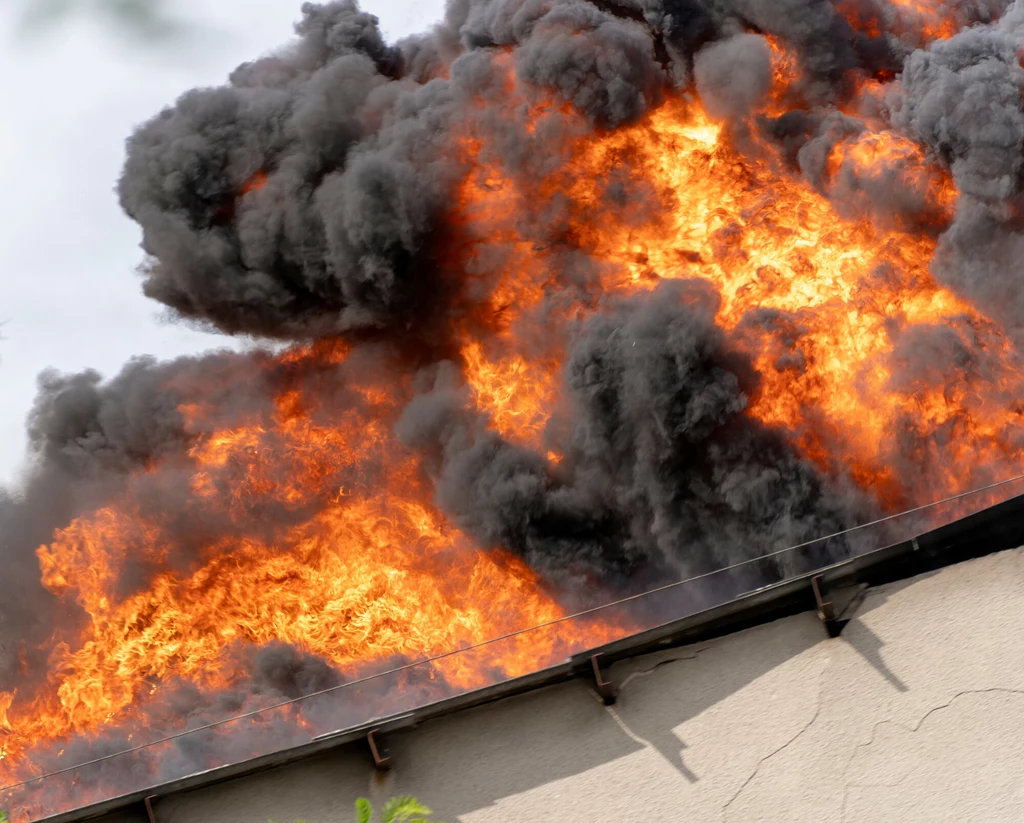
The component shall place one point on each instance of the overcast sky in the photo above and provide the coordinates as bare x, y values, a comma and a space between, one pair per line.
69, 295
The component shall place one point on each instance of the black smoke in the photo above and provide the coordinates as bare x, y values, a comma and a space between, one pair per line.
308, 196
962, 98
665, 476
354, 137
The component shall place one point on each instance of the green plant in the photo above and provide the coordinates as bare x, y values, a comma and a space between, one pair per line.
396, 810
3, 817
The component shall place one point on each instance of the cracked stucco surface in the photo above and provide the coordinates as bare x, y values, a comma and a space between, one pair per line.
913, 714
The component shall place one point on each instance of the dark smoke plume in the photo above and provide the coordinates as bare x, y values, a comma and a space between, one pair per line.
665, 476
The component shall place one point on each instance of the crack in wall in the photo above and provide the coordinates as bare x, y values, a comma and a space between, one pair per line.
847, 787
783, 747
646, 672
617, 718
649, 671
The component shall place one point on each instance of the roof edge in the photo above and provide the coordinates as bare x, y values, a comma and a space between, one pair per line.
997, 528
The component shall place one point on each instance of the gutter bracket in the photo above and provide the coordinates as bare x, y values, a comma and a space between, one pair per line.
381, 762
834, 616
149, 808
605, 688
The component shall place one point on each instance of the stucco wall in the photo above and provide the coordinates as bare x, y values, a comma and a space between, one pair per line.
915, 714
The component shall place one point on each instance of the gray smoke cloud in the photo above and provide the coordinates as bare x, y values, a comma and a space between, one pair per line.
733, 76
354, 139
659, 399
86, 427
355, 153
665, 475
962, 98
891, 191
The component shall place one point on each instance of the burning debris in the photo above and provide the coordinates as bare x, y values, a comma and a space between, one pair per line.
579, 296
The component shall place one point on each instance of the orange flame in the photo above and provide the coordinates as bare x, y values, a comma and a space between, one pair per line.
255, 183
370, 574
518, 393
769, 242
916, 21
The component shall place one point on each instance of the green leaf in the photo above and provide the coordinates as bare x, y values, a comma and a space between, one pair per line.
402, 809
364, 810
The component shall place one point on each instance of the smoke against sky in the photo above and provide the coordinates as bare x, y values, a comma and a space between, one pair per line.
77, 303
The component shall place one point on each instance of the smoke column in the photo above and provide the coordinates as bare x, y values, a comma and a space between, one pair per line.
570, 298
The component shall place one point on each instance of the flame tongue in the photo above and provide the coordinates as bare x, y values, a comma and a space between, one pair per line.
821, 303
356, 575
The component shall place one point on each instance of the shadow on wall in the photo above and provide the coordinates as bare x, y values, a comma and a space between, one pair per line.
568, 730
864, 641
472, 760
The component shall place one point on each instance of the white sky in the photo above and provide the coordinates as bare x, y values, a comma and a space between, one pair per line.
69, 295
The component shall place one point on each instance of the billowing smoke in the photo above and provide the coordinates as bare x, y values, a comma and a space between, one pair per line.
733, 75
328, 197
664, 476
962, 98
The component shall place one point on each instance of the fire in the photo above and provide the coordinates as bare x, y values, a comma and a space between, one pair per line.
255, 183
835, 294
516, 392
916, 21
786, 74
360, 574
866, 160
366, 580
933, 21
304, 520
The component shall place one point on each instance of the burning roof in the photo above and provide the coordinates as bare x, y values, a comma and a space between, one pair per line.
578, 298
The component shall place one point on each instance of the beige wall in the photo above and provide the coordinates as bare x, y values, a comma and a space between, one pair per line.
915, 714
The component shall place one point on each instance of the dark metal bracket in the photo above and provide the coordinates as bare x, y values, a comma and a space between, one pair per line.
835, 606
605, 688
382, 762
149, 808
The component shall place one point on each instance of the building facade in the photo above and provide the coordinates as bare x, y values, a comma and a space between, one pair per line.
912, 714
